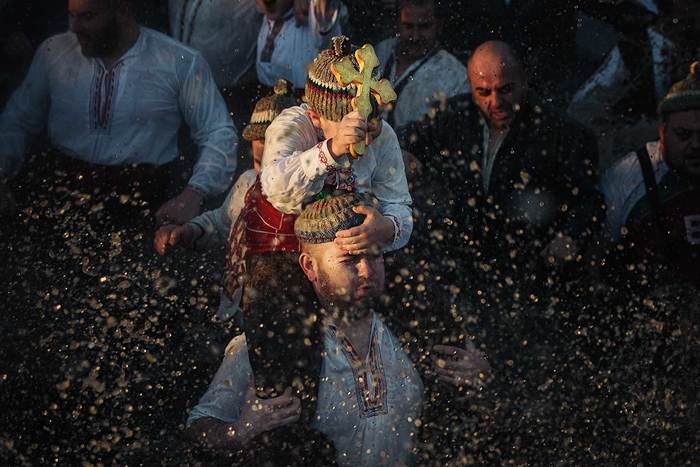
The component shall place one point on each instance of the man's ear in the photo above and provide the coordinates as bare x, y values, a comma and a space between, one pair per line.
315, 117
662, 139
307, 264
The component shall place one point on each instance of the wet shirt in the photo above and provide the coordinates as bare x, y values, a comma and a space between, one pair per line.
367, 404
285, 50
424, 84
130, 113
297, 165
224, 31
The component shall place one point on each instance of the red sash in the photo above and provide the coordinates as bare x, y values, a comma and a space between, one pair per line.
259, 228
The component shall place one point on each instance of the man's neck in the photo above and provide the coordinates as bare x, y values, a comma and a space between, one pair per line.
402, 64
126, 41
357, 330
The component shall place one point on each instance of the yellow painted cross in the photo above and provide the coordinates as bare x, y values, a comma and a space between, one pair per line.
345, 72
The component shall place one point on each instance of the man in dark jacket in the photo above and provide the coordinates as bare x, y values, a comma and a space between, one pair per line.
505, 197
512, 181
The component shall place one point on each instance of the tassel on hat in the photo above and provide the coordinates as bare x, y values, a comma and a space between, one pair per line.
685, 94
267, 108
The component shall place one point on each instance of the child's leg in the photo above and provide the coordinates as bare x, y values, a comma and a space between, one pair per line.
284, 339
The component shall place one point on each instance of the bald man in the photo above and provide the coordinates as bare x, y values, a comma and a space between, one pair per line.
505, 205
518, 163
514, 179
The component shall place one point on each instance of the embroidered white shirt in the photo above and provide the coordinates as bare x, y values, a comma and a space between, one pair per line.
623, 186
293, 169
128, 114
296, 47
440, 77
224, 31
368, 412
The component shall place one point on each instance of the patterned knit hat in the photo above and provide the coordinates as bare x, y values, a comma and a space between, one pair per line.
267, 108
322, 92
685, 94
320, 220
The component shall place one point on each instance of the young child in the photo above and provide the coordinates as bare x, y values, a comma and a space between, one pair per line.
306, 153
214, 228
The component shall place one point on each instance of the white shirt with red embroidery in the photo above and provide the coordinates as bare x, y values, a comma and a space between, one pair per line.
128, 114
367, 405
297, 164
224, 31
296, 47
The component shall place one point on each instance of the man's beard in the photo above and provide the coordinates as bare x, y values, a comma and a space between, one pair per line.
102, 43
345, 306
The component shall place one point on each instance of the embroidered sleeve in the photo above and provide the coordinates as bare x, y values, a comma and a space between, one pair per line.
390, 187
211, 129
295, 165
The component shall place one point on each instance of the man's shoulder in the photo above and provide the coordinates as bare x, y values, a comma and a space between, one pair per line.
449, 62
629, 164
457, 110
164, 44
548, 117
385, 49
59, 44
622, 178
455, 113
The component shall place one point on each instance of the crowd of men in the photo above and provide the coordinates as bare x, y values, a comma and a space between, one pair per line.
495, 263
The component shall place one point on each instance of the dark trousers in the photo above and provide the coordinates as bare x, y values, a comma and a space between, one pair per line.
285, 346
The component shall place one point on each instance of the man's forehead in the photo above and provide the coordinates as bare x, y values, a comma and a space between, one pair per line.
323, 250
687, 119
417, 14
76, 6
493, 75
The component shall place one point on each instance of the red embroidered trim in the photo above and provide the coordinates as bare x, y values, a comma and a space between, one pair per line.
322, 157
370, 380
102, 107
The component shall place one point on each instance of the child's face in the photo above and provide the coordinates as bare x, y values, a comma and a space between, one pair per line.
258, 148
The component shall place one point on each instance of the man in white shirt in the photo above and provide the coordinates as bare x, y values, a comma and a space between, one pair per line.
420, 71
285, 48
113, 94
619, 100
370, 396
653, 197
224, 31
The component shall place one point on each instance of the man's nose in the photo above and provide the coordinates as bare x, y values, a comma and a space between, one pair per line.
364, 268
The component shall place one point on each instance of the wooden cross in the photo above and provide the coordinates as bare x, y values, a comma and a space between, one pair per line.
345, 72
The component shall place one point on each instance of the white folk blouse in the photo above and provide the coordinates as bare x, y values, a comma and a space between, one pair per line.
128, 114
